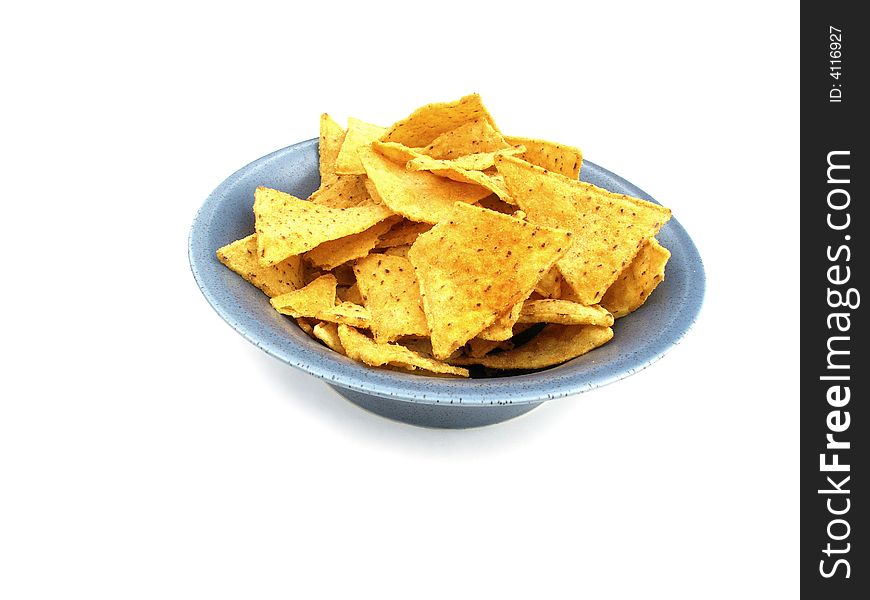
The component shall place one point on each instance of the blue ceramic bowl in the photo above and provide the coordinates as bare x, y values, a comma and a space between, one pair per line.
640, 338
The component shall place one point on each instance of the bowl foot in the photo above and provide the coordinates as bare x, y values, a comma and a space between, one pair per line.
443, 416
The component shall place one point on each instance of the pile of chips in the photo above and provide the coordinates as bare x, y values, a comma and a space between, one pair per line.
439, 243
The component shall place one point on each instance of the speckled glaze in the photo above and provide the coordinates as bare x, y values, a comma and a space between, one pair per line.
640, 339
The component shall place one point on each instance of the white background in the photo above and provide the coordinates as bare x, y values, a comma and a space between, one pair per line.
148, 451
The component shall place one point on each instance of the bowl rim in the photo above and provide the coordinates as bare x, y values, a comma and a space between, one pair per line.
340, 371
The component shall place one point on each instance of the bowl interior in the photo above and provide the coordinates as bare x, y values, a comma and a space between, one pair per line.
639, 339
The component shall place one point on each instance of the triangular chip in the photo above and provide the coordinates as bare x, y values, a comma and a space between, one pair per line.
426, 123
503, 327
347, 313
389, 290
328, 334
564, 312
241, 256
559, 158
359, 134
550, 285
554, 345
474, 265
497, 204
609, 228
305, 325
472, 137
468, 162
331, 139
351, 294
317, 296
287, 226
362, 348
418, 195
342, 191
398, 251
329, 255
637, 280
403, 233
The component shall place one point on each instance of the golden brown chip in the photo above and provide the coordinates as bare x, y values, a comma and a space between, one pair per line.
559, 158
315, 297
554, 345
478, 347
495, 203
390, 292
472, 137
418, 195
328, 334
287, 226
469, 162
474, 265
331, 139
564, 312
362, 348
333, 253
280, 278
347, 313
342, 191
359, 134
550, 285
403, 233
638, 279
305, 325
608, 228
503, 327
398, 250
426, 123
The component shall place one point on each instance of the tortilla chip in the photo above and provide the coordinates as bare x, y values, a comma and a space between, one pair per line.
637, 280
347, 313
287, 226
390, 292
329, 255
564, 312
550, 285
331, 139
328, 334
609, 228
469, 162
503, 327
478, 347
280, 278
398, 251
315, 297
495, 203
554, 345
352, 294
360, 347
344, 274
417, 195
472, 137
474, 265
426, 123
305, 325
559, 158
359, 134
342, 191
403, 233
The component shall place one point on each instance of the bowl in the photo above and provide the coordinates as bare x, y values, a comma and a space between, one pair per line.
639, 339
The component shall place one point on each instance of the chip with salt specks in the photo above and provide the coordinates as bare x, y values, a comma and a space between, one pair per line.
503, 327
472, 137
347, 313
468, 162
638, 280
359, 134
317, 296
390, 292
241, 256
362, 348
609, 228
331, 139
426, 123
287, 226
550, 285
342, 191
476, 264
559, 158
554, 345
417, 195
328, 334
333, 253
398, 250
403, 233
564, 312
